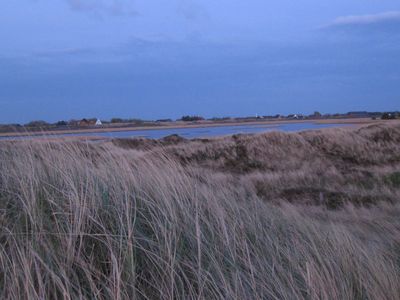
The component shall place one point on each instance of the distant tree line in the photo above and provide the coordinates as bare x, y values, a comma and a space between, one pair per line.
220, 119
75, 122
43, 125
191, 118
38, 123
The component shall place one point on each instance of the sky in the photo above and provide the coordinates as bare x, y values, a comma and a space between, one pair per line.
155, 59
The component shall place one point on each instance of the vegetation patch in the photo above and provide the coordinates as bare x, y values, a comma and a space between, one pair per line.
269, 216
394, 179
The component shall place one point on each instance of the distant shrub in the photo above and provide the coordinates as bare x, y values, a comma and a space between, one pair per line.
220, 119
135, 121
317, 114
388, 116
116, 120
191, 118
61, 123
38, 123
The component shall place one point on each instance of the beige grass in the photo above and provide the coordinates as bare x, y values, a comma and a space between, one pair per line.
310, 215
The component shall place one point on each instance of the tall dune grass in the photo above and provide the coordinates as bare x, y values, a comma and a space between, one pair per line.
231, 218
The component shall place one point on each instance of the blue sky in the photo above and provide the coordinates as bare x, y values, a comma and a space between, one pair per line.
63, 59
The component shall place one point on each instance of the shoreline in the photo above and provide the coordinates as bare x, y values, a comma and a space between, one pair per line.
269, 123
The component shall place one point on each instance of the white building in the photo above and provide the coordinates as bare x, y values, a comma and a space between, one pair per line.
98, 122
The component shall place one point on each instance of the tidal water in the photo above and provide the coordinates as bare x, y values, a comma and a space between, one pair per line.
200, 132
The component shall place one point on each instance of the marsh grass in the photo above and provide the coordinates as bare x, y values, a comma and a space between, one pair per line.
311, 215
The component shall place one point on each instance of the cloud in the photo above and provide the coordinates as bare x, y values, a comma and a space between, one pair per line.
376, 30
191, 10
68, 53
391, 17
110, 7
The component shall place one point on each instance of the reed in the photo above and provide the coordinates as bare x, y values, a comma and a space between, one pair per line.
311, 215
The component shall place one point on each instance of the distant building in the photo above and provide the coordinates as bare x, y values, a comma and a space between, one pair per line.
73, 122
84, 122
89, 122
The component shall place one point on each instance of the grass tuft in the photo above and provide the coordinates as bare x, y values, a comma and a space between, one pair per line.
310, 215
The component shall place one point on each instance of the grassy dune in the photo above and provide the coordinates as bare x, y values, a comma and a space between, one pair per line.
311, 215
